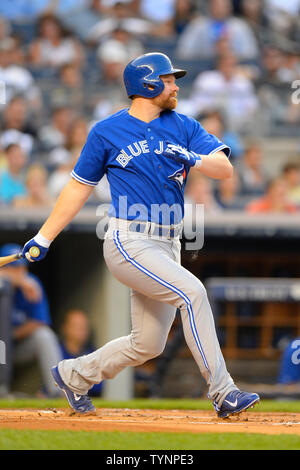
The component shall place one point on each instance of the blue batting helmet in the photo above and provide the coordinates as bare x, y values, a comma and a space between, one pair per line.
13, 249
142, 75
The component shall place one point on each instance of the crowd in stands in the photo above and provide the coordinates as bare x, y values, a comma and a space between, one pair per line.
62, 62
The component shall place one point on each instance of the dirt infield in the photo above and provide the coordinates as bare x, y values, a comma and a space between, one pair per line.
193, 421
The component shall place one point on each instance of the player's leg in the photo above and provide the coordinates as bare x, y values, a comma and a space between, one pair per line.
154, 268
151, 323
164, 361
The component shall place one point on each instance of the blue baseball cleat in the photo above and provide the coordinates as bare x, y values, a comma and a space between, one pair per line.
80, 403
236, 402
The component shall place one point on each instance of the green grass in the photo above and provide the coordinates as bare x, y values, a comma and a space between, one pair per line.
181, 404
74, 440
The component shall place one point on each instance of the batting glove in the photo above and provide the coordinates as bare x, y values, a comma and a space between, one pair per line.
181, 155
36, 248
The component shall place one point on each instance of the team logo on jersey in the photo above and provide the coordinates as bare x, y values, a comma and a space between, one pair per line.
179, 176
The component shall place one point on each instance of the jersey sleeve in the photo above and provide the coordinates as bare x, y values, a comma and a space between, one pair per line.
89, 168
200, 141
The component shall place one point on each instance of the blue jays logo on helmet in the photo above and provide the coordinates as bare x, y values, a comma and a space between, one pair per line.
179, 177
142, 75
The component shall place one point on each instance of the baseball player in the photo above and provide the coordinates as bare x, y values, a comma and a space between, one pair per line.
146, 151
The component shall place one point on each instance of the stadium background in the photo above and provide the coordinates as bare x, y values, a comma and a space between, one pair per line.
62, 63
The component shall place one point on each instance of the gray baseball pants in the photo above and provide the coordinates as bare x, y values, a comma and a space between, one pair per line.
42, 345
150, 267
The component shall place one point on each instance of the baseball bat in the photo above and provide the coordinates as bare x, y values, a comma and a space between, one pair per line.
9, 259
4, 260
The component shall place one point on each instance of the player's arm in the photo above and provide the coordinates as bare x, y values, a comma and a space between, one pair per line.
70, 201
216, 165
26, 329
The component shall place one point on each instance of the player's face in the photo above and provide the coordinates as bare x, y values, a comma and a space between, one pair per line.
168, 97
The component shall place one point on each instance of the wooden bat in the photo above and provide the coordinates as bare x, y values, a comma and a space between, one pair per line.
9, 259
34, 253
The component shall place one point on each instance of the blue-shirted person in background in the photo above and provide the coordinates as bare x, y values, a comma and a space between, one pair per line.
32, 335
12, 183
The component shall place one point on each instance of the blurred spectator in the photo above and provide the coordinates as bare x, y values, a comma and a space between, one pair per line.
54, 46
272, 61
23, 10
105, 106
75, 139
275, 200
3, 160
123, 12
70, 76
160, 13
290, 67
13, 136
185, 11
252, 11
18, 80
199, 190
274, 89
252, 174
114, 53
199, 38
5, 28
12, 178
228, 195
75, 340
55, 133
112, 58
279, 66
70, 88
282, 15
121, 39
65, 157
226, 89
36, 187
66, 7
31, 323
214, 122
15, 117
157, 11
82, 19
291, 175
16, 127
289, 371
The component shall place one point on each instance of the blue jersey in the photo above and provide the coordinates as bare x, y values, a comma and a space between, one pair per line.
141, 179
